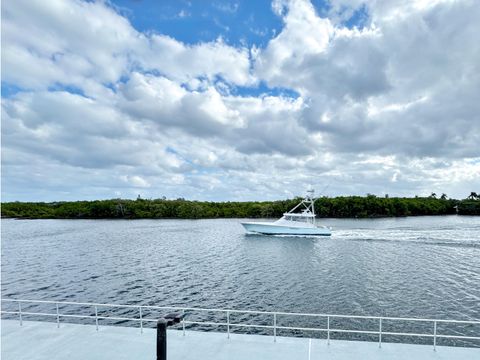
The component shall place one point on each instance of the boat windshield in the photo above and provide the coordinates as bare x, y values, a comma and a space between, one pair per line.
297, 218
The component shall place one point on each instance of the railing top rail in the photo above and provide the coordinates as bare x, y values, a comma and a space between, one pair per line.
186, 308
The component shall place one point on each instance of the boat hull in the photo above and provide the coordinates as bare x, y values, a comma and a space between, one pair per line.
272, 229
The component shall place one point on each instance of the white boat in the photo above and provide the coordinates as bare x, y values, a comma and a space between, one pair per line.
292, 223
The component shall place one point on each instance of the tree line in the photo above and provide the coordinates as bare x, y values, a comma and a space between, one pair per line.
340, 207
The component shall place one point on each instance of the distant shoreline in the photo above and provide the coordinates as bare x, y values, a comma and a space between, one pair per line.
353, 207
238, 218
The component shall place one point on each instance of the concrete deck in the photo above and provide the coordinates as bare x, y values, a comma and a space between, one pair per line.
42, 340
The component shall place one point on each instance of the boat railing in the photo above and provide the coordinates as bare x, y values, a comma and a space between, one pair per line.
97, 316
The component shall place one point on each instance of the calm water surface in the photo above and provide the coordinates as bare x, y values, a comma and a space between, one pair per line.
406, 267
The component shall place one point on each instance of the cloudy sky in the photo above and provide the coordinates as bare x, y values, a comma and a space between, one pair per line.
239, 100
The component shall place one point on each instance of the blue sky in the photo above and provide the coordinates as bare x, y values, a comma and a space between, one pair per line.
239, 100
238, 22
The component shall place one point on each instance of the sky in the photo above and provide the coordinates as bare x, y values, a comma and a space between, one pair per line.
239, 100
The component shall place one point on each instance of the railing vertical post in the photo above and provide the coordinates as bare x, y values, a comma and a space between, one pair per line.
275, 327
20, 312
228, 324
58, 316
328, 330
380, 333
434, 336
183, 321
141, 319
162, 339
96, 317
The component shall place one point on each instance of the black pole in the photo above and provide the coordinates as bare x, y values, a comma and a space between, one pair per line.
162, 339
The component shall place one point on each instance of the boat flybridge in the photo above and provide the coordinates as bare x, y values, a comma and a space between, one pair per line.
292, 223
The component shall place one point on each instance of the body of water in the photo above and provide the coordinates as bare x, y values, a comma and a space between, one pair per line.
407, 267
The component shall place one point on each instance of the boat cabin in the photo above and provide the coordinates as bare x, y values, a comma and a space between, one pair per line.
305, 217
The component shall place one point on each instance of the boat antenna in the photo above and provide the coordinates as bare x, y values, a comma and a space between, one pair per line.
310, 192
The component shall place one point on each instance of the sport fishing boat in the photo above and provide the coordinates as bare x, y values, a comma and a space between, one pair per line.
292, 223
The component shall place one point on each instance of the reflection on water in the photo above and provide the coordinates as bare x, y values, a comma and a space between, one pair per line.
408, 267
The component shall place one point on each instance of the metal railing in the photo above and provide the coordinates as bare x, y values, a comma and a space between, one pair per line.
228, 324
